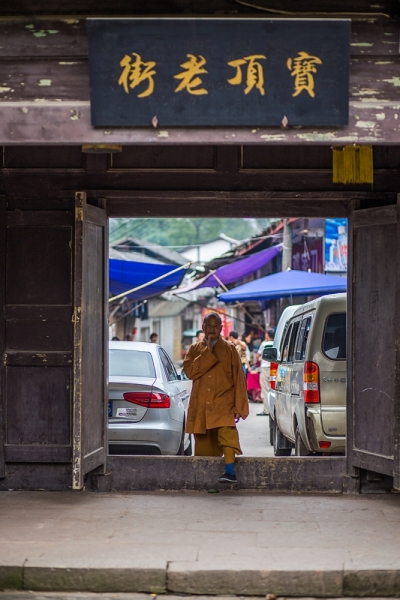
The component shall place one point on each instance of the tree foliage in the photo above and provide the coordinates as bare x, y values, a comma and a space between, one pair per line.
184, 232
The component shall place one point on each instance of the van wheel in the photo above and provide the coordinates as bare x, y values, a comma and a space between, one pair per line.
280, 442
299, 447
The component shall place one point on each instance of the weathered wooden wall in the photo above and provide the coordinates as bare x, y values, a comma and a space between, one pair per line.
44, 87
37, 230
44, 119
36, 367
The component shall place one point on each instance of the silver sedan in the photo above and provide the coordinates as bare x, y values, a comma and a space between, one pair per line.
147, 402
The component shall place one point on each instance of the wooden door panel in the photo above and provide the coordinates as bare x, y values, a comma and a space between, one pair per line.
37, 263
38, 405
90, 340
374, 358
373, 297
37, 351
93, 408
2, 327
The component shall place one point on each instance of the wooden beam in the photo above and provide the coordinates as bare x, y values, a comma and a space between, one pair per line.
185, 7
377, 36
224, 207
245, 196
42, 184
68, 123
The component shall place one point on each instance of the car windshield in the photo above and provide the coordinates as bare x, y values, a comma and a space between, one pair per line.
334, 342
132, 363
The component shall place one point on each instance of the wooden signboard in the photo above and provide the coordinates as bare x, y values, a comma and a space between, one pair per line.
219, 72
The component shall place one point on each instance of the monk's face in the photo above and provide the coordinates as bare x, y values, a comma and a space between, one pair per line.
212, 328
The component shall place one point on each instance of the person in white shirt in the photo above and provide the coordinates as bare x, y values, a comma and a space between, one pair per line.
264, 376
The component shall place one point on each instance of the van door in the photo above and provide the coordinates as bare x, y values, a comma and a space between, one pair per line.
284, 382
333, 375
298, 371
295, 388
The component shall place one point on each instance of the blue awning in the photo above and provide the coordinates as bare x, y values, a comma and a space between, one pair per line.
127, 274
284, 284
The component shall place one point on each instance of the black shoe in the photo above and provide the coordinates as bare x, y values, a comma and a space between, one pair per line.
263, 414
228, 478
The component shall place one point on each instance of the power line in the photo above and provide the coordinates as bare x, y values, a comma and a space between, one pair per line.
142, 222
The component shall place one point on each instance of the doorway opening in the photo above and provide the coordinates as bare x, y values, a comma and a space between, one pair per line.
167, 274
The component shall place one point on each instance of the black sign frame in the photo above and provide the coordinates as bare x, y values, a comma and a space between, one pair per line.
219, 72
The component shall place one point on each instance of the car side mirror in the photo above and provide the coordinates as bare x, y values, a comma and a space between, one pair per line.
270, 354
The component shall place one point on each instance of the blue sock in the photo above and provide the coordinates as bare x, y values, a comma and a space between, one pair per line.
230, 468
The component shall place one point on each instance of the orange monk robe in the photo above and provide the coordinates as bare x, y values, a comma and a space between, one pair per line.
219, 386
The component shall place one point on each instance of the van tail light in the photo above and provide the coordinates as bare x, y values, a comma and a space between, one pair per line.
324, 445
311, 383
148, 399
273, 370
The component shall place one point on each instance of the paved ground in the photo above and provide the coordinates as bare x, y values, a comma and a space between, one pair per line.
254, 433
199, 543
15, 595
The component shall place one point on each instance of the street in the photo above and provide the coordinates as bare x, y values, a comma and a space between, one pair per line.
254, 433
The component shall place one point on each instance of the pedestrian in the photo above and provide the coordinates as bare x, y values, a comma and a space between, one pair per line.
248, 338
219, 397
253, 382
199, 335
265, 371
154, 338
241, 347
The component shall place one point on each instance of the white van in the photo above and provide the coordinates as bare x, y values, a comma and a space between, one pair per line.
310, 396
280, 331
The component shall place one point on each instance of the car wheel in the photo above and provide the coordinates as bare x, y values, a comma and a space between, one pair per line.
181, 450
279, 441
299, 447
271, 430
189, 449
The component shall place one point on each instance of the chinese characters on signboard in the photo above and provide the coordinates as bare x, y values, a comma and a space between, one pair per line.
218, 72
138, 71
336, 245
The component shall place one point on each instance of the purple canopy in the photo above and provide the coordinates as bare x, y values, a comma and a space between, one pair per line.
235, 271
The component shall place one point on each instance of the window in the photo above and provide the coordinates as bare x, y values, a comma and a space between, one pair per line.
302, 339
168, 366
334, 340
285, 347
292, 343
132, 363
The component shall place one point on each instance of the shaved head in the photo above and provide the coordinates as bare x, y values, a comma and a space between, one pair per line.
212, 315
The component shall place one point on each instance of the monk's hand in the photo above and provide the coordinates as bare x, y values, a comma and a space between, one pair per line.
237, 417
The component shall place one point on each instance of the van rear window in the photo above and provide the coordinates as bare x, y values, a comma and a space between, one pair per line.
334, 340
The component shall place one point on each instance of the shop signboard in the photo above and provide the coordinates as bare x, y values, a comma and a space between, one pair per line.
164, 72
308, 255
336, 245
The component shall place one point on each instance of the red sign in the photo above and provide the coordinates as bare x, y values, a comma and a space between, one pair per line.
227, 323
308, 255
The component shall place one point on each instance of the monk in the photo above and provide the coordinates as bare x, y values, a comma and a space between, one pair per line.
219, 396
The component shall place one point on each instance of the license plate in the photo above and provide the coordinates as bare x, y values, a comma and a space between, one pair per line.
126, 412
109, 408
